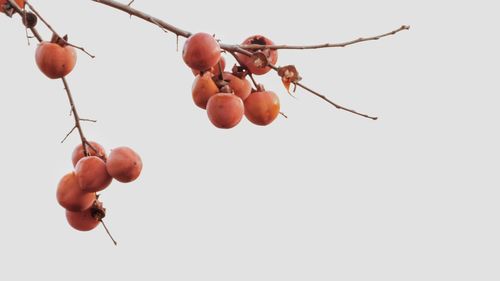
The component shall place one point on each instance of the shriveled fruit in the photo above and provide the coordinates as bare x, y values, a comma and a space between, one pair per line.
54, 60
19, 3
92, 174
262, 108
253, 64
78, 152
203, 89
225, 110
241, 87
124, 164
71, 196
201, 51
214, 69
82, 221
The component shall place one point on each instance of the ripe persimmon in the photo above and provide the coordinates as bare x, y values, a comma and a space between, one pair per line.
19, 3
262, 108
241, 86
71, 196
201, 51
203, 89
54, 60
124, 164
214, 69
225, 110
250, 63
78, 152
92, 174
82, 221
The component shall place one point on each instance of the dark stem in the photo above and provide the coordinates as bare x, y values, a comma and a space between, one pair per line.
332, 103
76, 117
109, 233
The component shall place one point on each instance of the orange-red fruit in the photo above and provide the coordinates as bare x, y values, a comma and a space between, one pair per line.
124, 164
214, 69
82, 221
19, 3
71, 196
203, 89
225, 110
201, 51
78, 152
92, 174
262, 108
54, 60
241, 87
272, 55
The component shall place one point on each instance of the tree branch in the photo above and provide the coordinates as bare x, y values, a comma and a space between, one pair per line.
245, 49
327, 45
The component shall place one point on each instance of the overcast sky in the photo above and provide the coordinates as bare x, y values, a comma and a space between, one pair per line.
324, 195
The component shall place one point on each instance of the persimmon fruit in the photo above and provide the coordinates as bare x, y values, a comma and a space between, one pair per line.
225, 110
201, 51
241, 86
54, 60
203, 89
214, 69
124, 164
262, 108
92, 174
250, 63
82, 221
78, 152
71, 196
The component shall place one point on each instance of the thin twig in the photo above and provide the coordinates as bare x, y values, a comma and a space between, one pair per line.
334, 104
284, 115
327, 45
109, 233
68, 134
55, 32
88, 120
76, 117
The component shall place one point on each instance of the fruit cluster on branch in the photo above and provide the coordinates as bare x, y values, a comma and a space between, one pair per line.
226, 95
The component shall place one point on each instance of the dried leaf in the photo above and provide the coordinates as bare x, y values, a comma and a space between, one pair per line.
289, 75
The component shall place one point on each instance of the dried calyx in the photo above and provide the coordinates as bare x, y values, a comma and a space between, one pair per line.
29, 19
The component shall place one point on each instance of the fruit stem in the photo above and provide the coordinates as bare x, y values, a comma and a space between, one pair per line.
221, 74
109, 233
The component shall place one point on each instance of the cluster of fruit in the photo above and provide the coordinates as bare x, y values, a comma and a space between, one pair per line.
227, 96
77, 190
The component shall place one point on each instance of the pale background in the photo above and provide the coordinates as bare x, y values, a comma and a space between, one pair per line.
324, 195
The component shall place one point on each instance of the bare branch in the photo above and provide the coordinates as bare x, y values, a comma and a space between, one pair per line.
327, 45
55, 32
68, 134
334, 104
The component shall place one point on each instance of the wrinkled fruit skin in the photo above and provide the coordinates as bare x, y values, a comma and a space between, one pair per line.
214, 69
203, 89
241, 87
262, 108
225, 110
78, 152
201, 51
70, 195
55, 61
82, 221
124, 164
272, 55
92, 174
19, 3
